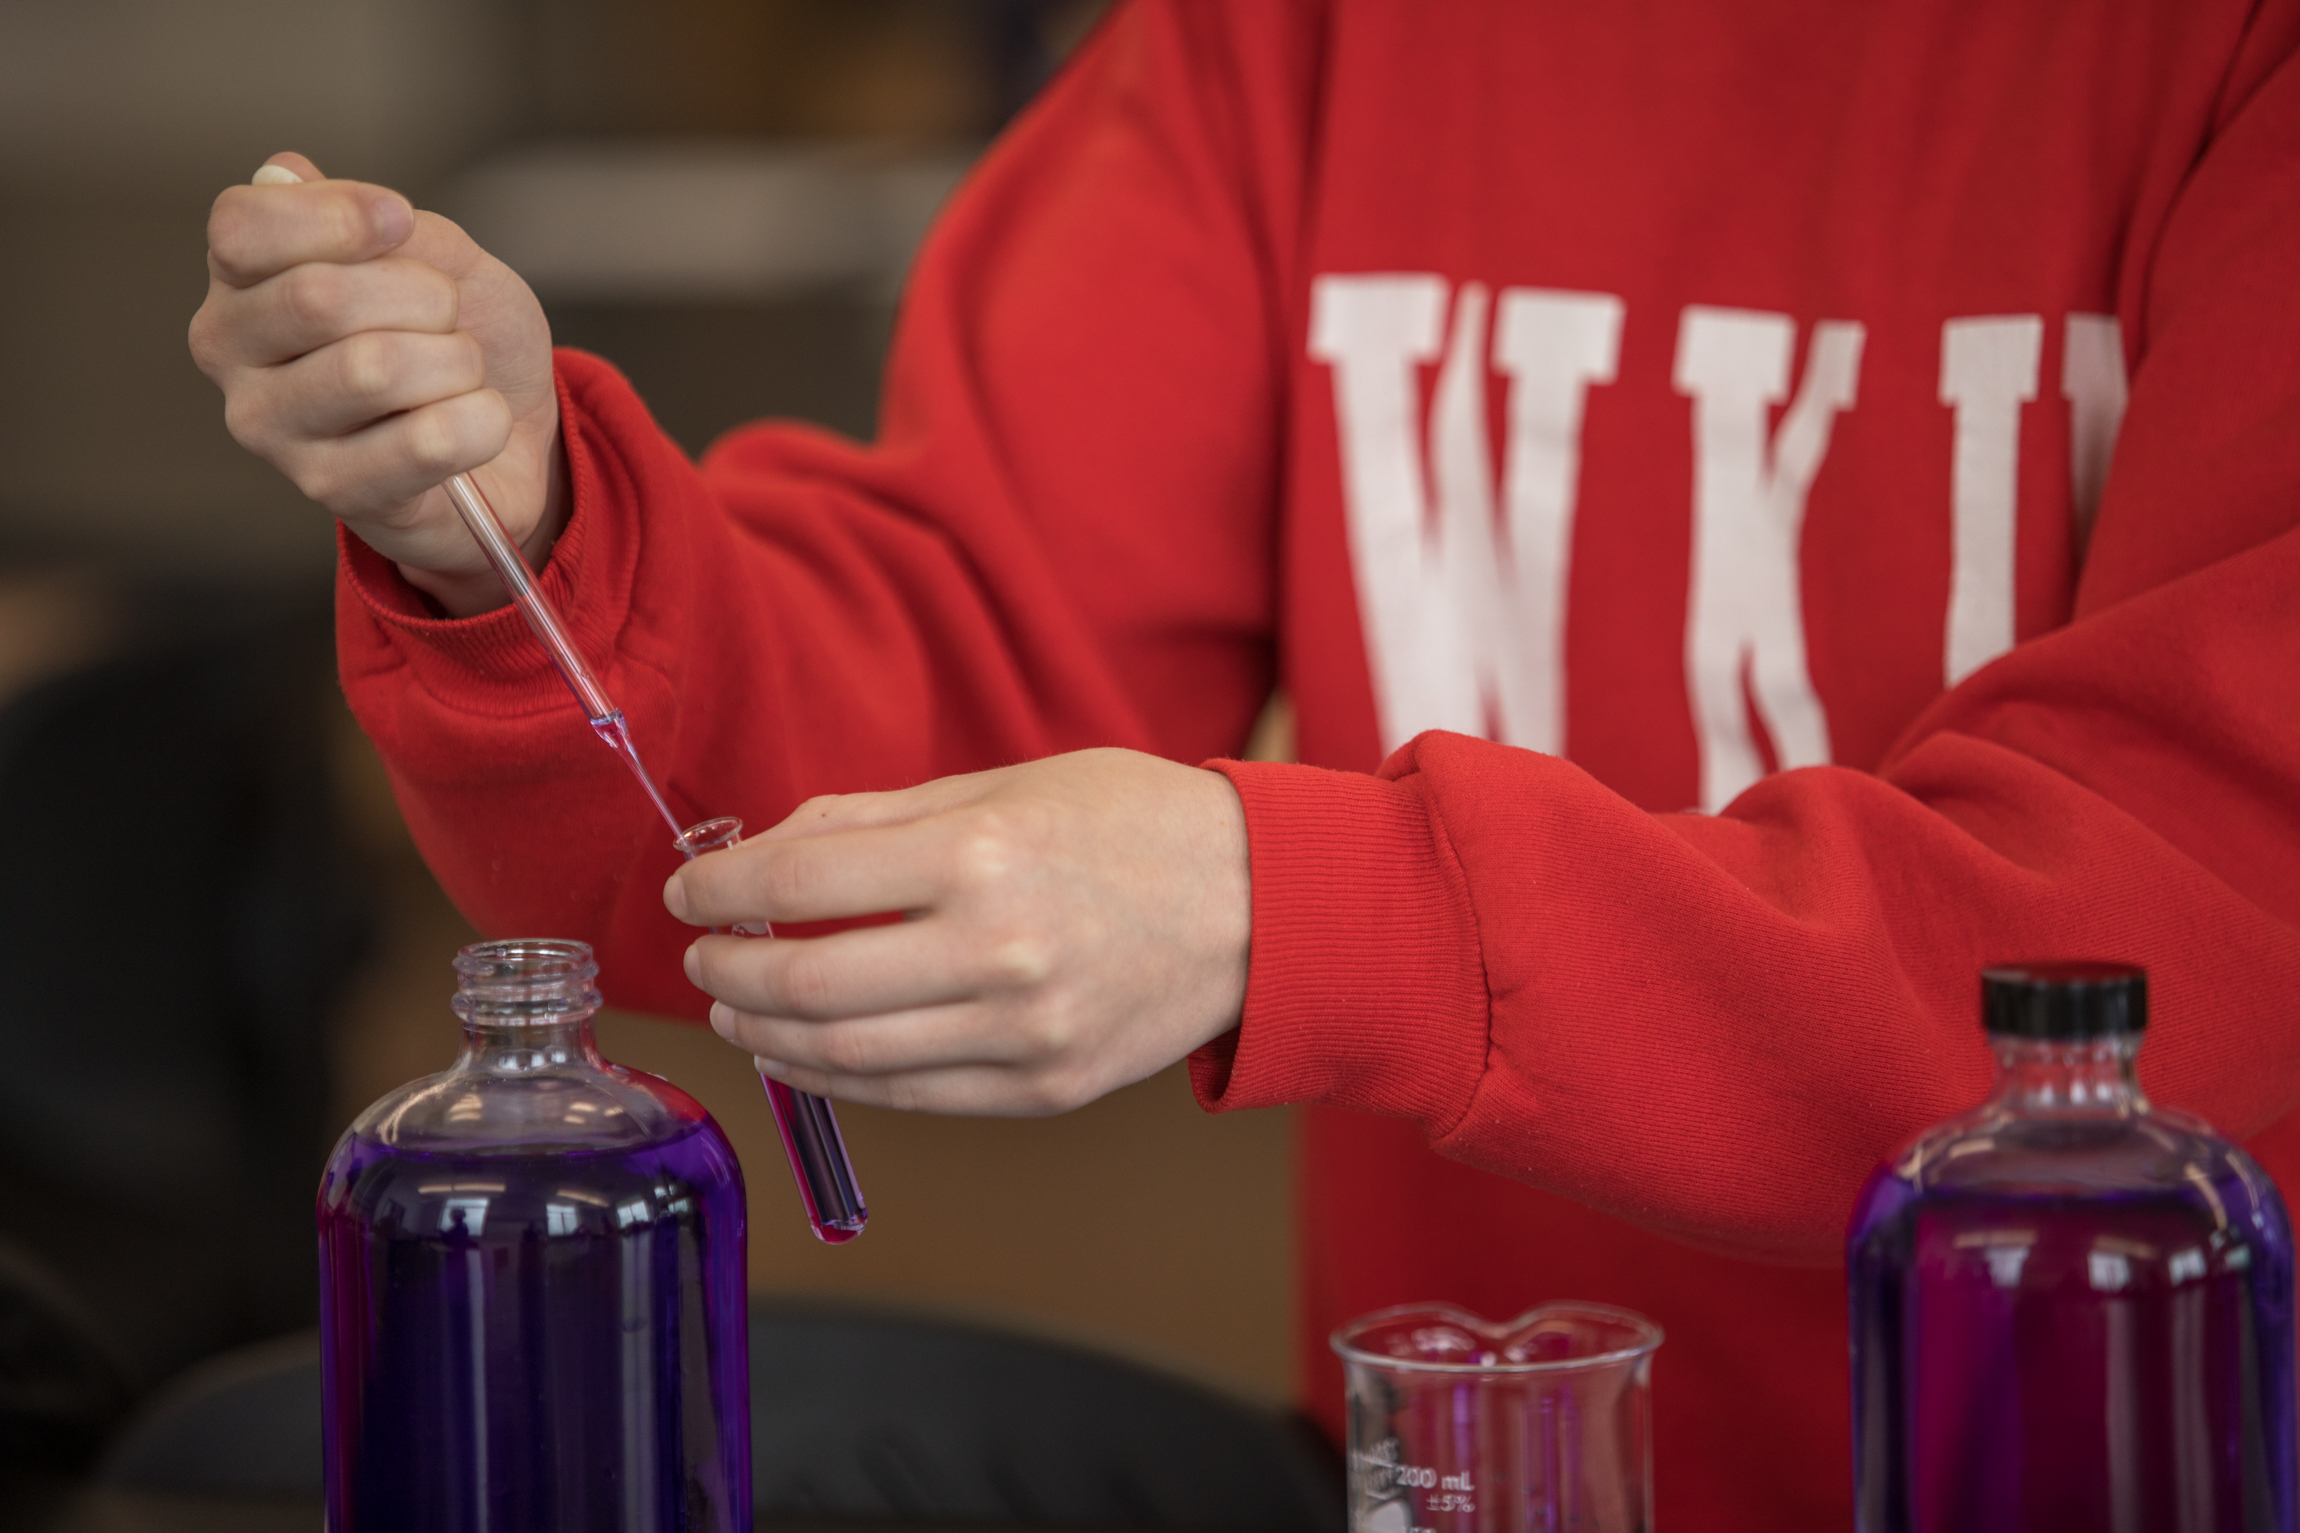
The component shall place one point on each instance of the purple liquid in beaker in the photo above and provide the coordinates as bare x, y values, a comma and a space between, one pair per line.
2112, 1361
536, 1339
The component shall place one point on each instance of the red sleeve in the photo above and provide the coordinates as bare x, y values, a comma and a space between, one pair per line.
1014, 569
1716, 1025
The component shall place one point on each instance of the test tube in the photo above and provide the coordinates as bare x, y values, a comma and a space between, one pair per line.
810, 1128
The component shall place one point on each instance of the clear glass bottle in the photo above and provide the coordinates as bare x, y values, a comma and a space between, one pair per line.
532, 1284
2071, 1309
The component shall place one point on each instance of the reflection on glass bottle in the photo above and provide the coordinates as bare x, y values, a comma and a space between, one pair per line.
533, 1284
2071, 1309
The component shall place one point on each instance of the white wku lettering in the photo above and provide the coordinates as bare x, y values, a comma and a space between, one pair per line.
1463, 613
1461, 577
1988, 372
1553, 347
1747, 612
2092, 381
1374, 331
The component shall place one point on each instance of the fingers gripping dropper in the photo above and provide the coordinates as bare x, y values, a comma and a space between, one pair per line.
518, 580
809, 1127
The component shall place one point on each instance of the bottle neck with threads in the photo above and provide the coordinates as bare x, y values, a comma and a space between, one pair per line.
529, 1077
526, 1006
2066, 1037
2080, 1076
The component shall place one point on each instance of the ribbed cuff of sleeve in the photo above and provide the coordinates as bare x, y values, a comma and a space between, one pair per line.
492, 663
1367, 987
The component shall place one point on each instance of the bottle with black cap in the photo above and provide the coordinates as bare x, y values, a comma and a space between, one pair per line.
2071, 1309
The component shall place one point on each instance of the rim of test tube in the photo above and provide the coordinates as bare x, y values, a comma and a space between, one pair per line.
710, 835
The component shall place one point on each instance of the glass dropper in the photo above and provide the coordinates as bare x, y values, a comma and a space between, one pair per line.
511, 566
519, 581
808, 1125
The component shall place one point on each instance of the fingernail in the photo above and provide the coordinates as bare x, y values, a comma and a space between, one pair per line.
694, 965
675, 896
275, 175
773, 1067
394, 219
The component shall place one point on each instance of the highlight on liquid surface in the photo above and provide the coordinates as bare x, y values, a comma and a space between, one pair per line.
536, 1340
2046, 1362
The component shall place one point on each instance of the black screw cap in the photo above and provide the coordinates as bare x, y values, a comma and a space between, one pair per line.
2064, 1000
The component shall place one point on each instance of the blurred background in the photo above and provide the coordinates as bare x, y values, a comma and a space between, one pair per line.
216, 943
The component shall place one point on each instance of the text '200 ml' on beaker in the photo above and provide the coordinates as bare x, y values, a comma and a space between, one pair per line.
1458, 1424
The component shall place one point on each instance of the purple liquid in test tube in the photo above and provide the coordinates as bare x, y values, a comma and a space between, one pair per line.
809, 1127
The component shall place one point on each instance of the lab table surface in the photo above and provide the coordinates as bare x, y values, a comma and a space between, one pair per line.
111, 1510
107, 1510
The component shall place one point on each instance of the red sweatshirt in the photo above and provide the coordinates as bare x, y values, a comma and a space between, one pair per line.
1698, 418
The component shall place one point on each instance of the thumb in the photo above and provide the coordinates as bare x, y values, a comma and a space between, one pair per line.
286, 168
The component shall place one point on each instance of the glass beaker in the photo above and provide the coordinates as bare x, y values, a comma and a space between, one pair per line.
1542, 1424
532, 1305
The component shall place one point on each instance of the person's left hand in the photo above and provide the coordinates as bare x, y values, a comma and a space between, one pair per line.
1074, 925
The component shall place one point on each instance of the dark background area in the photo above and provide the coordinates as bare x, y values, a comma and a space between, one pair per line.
216, 942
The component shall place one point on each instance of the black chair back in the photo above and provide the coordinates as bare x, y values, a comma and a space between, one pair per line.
178, 916
857, 1415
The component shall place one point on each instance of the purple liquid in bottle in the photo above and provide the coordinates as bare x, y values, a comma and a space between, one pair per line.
2072, 1311
533, 1300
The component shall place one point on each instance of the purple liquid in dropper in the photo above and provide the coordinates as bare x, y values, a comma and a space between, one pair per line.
809, 1127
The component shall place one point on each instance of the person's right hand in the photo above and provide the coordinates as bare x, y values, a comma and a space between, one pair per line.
369, 351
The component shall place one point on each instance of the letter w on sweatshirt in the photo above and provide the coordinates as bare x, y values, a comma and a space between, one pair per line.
1464, 611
